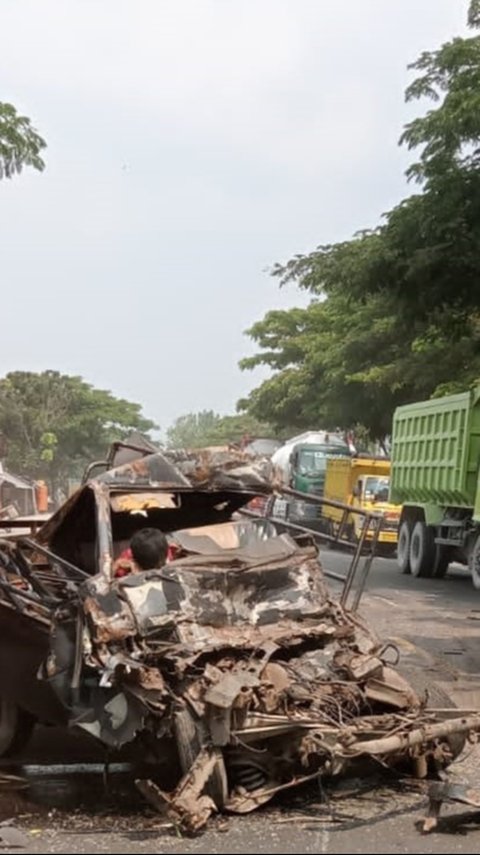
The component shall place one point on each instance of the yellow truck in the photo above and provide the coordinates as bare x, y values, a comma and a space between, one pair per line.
363, 482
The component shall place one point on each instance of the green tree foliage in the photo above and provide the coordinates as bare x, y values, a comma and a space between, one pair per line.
193, 430
199, 430
53, 424
340, 362
394, 315
20, 144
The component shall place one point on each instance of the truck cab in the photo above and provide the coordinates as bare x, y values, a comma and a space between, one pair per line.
364, 483
301, 465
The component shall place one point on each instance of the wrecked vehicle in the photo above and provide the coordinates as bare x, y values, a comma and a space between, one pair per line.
232, 658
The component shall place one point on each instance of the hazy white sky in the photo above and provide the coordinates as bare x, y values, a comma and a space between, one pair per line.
191, 144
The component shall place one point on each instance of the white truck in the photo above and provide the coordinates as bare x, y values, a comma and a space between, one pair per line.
301, 465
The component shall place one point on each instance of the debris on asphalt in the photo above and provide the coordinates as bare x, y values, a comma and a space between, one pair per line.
447, 791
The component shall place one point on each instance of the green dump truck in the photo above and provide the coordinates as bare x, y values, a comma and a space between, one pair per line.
436, 477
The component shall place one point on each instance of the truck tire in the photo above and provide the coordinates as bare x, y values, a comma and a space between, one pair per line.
403, 547
422, 550
474, 564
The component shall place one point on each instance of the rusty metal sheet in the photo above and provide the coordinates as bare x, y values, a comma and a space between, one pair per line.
186, 806
391, 683
224, 469
110, 619
224, 693
385, 693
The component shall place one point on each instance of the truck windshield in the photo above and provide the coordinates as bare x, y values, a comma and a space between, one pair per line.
314, 461
376, 489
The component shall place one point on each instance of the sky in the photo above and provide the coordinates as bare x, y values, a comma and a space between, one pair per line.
191, 145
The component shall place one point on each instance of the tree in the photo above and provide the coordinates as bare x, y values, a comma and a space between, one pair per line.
200, 430
53, 424
20, 144
237, 428
448, 135
342, 362
193, 430
395, 310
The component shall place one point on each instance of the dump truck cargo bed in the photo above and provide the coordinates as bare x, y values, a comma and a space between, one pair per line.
436, 451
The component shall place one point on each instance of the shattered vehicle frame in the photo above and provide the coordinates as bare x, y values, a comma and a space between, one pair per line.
232, 658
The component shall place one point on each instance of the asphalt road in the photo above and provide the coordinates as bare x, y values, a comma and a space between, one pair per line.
434, 624
439, 617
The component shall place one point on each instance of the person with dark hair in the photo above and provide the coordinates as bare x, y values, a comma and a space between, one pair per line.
148, 550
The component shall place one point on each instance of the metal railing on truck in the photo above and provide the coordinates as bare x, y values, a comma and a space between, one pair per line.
355, 579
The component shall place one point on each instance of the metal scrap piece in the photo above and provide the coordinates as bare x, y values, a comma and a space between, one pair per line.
441, 791
110, 618
389, 694
420, 735
245, 802
221, 698
359, 666
186, 806
223, 694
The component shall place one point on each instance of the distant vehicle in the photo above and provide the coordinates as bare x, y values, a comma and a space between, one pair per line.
363, 482
435, 475
301, 464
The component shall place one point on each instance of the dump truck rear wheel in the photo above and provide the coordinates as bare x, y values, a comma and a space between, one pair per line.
403, 547
474, 564
422, 550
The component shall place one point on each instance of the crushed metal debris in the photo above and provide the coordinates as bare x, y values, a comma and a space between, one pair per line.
232, 658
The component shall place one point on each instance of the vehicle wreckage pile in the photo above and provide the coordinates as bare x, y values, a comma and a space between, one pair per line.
233, 654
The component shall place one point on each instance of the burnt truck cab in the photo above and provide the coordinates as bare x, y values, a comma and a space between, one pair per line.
52, 582
231, 659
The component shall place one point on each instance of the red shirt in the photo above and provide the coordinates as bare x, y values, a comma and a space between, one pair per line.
125, 562
124, 565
